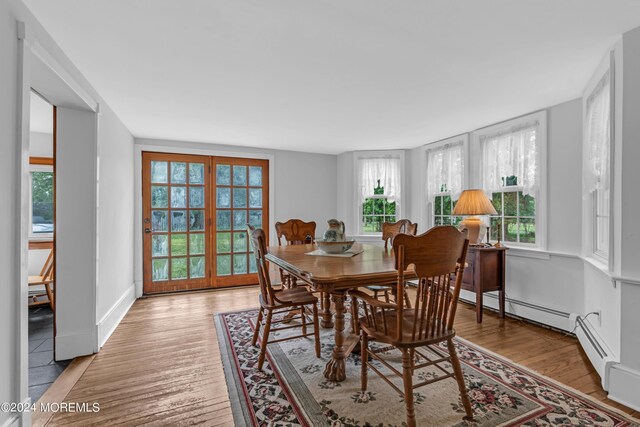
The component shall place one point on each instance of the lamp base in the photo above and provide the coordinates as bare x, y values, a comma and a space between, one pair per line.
475, 229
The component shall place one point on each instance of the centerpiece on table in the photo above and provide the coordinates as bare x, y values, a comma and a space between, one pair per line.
335, 241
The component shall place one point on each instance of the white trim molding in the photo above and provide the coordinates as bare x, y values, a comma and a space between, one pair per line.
624, 384
110, 321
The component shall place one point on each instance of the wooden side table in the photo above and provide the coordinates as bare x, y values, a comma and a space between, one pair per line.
485, 272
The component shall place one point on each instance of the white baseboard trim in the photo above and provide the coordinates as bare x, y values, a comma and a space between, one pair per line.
116, 313
534, 312
624, 384
599, 353
19, 419
74, 345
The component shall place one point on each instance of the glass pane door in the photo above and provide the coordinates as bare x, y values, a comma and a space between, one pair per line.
240, 197
175, 205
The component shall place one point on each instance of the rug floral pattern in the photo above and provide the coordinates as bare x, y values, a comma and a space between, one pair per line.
500, 392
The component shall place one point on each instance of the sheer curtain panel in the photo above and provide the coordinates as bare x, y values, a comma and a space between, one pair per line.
512, 153
445, 170
387, 170
598, 137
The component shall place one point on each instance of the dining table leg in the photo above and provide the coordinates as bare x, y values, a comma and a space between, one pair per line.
327, 315
344, 343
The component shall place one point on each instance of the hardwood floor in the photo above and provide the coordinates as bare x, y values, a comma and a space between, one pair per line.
162, 364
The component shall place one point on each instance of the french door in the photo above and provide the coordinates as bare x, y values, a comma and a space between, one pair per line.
195, 213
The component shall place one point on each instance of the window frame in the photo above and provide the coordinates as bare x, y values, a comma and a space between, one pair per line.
39, 165
464, 139
358, 208
511, 189
590, 206
475, 152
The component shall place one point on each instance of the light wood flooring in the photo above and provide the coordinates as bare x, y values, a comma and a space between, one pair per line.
162, 364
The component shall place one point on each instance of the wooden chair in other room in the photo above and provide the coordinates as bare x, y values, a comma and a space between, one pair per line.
437, 256
277, 302
389, 231
40, 286
295, 232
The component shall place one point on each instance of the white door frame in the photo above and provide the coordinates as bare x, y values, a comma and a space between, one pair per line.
39, 69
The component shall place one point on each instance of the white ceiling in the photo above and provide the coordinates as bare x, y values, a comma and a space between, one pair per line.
332, 75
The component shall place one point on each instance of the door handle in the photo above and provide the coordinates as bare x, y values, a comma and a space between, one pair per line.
147, 230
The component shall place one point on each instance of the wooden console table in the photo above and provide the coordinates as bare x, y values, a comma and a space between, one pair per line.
485, 272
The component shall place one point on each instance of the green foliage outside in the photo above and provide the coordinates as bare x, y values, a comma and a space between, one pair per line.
376, 210
516, 217
42, 200
442, 209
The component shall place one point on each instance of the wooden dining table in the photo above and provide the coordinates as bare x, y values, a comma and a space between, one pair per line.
335, 276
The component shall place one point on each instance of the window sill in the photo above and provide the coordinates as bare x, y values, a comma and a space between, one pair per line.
598, 264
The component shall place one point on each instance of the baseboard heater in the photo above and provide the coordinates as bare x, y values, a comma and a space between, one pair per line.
532, 306
600, 356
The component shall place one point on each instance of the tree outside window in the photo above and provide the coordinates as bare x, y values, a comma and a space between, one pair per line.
516, 218
376, 210
442, 207
41, 202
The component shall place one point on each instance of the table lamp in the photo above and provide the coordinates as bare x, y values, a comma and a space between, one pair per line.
473, 203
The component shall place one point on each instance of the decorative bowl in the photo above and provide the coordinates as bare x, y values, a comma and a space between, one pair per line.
332, 247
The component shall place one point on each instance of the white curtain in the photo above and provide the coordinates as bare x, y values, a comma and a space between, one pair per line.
445, 170
597, 136
513, 153
387, 170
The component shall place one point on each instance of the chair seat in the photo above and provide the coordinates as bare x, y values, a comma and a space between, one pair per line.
291, 297
38, 280
391, 336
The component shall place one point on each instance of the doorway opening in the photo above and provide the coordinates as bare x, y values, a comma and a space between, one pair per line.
43, 368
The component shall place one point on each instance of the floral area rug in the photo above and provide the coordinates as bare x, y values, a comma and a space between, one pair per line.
292, 391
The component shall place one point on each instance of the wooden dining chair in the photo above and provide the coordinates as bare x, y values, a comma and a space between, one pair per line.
389, 231
437, 257
40, 286
294, 232
280, 302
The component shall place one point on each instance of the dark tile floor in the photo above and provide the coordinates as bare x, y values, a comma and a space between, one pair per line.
43, 371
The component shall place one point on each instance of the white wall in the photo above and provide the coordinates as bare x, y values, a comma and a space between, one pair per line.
9, 247
115, 257
304, 184
75, 233
625, 377
64, 84
41, 144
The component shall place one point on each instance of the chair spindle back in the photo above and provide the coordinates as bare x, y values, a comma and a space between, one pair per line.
437, 256
391, 229
257, 238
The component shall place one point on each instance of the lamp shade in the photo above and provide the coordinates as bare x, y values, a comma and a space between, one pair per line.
474, 202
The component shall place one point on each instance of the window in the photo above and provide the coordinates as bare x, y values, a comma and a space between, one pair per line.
41, 177
379, 189
445, 178
516, 219
597, 149
511, 171
376, 210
